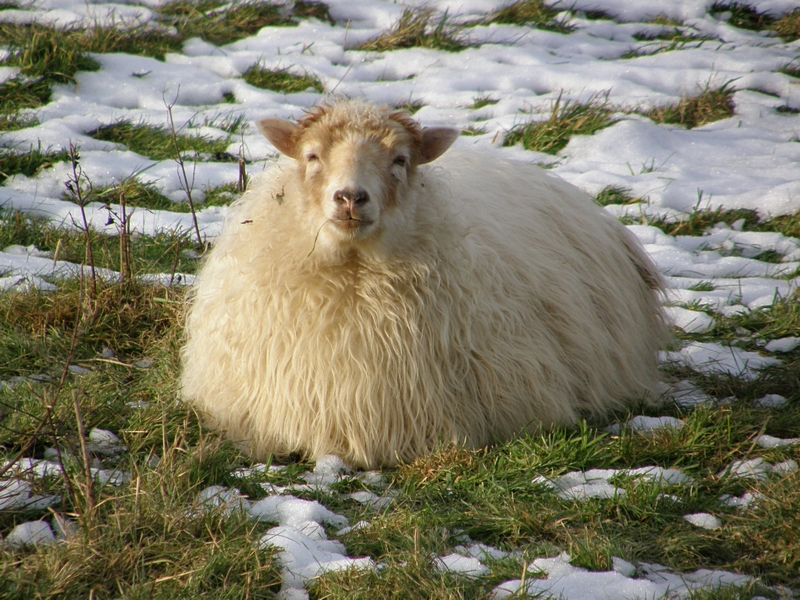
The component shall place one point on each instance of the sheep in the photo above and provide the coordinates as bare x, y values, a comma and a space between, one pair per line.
366, 303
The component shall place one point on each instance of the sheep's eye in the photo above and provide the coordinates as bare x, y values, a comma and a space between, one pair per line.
400, 161
312, 157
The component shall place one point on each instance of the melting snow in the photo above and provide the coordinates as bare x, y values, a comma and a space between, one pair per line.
747, 161
786, 344
562, 580
703, 520
714, 358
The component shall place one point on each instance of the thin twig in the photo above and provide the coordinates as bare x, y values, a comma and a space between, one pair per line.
241, 186
76, 191
124, 241
87, 470
182, 176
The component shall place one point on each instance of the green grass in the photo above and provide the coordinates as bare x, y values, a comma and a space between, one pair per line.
528, 12
675, 35
418, 28
700, 220
743, 15
44, 56
50, 55
566, 119
746, 16
143, 540
473, 130
156, 142
788, 26
703, 286
281, 80
673, 31
13, 122
224, 27
162, 253
27, 163
155, 549
139, 540
482, 101
694, 111
313, 10
410, 106
615, 195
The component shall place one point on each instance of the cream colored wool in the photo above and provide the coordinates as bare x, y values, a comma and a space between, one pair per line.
478, 298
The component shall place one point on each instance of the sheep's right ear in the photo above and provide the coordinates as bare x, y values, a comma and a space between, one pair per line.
435, 142
281, 134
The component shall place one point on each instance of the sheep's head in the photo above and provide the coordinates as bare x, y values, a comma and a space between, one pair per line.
355, 162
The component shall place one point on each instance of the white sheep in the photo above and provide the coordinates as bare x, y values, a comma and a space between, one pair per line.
363, 303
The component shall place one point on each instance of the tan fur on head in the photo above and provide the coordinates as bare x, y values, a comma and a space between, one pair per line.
353, 161
363, 303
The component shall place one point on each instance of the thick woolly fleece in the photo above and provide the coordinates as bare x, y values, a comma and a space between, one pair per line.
499, 299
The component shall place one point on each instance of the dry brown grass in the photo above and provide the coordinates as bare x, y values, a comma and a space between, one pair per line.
418, 28
695, 111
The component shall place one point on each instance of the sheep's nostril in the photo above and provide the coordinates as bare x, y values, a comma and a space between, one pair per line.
361, 197
351, 197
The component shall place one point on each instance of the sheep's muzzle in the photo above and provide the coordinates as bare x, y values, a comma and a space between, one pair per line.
349, 208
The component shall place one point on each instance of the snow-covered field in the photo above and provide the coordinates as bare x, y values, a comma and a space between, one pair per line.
750, 160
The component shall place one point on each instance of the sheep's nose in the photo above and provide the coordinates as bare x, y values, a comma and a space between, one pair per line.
351, 198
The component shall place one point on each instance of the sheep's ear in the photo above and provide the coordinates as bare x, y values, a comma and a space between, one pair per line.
435, 142
281, 134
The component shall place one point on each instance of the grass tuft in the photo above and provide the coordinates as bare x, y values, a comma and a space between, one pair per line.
529, 12
788, 26
474, 130
420, 28
281, 80
156, 142
614, 194
27, 163
677, 36
13, 122
742, 15
707, 107
566, 119
484, 100
791, 69
44, 56
746, 16
410, 106
309, 9
224, 26
697, 222
163, 253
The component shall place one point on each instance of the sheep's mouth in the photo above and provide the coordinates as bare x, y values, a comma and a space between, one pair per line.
350, 224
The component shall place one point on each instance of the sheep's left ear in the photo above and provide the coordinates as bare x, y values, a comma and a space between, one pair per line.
435, 142
281, 134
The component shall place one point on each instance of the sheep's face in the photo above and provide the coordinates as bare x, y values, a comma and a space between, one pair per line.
355, 173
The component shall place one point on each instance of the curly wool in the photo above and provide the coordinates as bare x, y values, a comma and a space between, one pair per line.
508, 301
